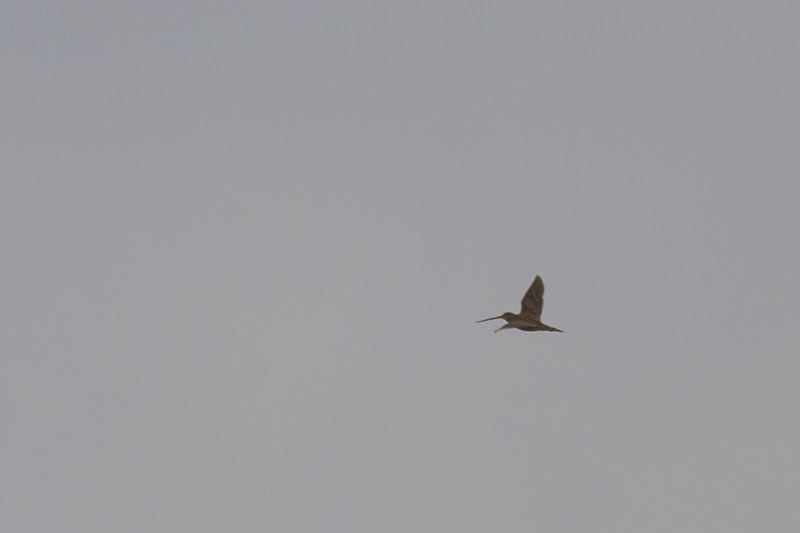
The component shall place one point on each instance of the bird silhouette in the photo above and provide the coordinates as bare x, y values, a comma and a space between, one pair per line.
529, 317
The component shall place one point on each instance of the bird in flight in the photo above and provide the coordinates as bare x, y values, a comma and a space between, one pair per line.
529, 316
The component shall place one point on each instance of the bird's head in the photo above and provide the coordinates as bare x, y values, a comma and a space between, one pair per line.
504, 316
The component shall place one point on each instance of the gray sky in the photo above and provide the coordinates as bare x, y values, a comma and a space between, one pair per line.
245, 244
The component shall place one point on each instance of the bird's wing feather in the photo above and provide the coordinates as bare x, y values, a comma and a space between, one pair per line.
533, 300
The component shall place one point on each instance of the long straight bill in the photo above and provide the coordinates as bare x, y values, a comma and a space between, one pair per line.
485, 319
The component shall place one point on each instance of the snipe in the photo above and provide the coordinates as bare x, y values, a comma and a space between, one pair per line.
529, 316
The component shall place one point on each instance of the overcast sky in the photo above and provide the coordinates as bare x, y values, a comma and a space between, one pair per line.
245, 244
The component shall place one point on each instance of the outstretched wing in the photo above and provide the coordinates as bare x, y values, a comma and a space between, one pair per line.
533, 300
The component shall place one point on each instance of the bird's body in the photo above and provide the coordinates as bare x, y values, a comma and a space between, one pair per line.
529, 317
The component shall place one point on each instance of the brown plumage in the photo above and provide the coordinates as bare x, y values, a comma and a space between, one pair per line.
529, 317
